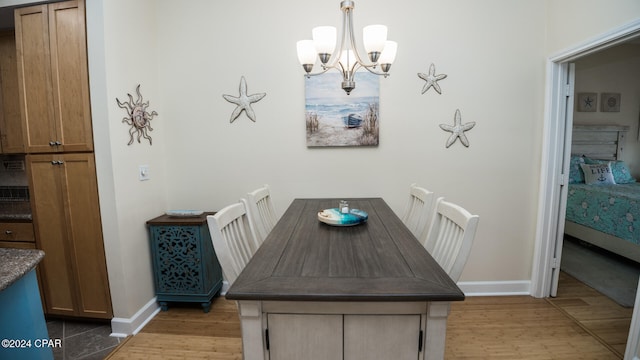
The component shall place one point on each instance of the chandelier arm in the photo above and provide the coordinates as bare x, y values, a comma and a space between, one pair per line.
334, 61
353, 71
340, 67
371, 69
317, 73
335, 57
353, 44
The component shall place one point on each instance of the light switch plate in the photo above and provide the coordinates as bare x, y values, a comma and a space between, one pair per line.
143, 172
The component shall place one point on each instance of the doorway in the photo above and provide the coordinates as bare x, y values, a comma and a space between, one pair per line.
557, 132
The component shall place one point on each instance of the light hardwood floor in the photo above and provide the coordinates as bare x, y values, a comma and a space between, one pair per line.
578, 324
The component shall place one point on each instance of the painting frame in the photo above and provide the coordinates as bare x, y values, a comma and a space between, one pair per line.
587, 102
610, 102
335, 119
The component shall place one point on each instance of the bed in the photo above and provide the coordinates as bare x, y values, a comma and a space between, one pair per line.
603, 201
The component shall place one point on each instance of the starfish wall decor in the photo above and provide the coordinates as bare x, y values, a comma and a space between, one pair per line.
431, 80
244, 101
457, 130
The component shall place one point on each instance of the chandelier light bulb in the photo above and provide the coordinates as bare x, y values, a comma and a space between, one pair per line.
348, 59
306, 54
324, 39
374, 37
388, 55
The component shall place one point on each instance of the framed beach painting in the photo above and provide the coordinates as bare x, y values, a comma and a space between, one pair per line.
334, 118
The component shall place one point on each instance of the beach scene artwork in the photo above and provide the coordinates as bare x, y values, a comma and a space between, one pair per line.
334, 118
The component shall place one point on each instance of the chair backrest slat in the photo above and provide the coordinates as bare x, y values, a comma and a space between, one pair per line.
417, 213
451, 236
233, 239
261, 212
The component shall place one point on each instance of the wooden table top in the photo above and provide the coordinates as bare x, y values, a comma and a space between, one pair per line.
304, 259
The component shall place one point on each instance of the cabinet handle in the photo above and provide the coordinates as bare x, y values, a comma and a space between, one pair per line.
58, 143
57, 162
8, 232
54, 143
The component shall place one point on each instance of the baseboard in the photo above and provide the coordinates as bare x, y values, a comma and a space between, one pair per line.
495, 288
123, 327
225, 288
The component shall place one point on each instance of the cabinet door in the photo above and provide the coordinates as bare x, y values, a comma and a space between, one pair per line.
70, 76
84, 225
309, 337
381, 337
51, 235
177, 260
10, 120
34, 77
67, 224
53, 77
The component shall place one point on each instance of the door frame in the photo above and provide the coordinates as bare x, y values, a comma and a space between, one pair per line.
551, 172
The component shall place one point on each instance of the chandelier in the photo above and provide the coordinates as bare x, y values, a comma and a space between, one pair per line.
346, 58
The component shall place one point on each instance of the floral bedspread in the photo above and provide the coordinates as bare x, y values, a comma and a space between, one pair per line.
612, 209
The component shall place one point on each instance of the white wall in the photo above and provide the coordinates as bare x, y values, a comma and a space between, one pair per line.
615, 70
574, 22
122, 48
492, 52
187, 54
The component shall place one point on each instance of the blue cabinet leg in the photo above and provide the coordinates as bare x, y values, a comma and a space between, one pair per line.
206, 306
164, 305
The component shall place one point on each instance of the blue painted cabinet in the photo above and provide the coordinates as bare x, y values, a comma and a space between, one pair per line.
185, 265
23, 329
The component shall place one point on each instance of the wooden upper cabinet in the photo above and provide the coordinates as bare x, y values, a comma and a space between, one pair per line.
53, 77
11, 139
10, 122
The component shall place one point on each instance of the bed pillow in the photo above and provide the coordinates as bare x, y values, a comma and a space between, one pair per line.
620, 169
576, 176
597, 174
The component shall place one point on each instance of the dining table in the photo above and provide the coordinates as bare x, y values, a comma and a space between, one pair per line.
322, 290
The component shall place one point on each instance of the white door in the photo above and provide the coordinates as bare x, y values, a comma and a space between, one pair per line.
569, 81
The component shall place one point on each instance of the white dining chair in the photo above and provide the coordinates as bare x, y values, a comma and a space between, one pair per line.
233, 239
417, 213
450, 236
261, 212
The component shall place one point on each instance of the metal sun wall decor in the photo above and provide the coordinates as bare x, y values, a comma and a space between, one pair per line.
244, 101
457, 130
137, 117
431, 79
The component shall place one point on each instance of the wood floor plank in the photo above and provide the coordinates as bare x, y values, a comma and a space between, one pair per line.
524, 328
578, 324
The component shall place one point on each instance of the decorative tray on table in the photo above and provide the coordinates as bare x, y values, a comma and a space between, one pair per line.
184, 213
336, 218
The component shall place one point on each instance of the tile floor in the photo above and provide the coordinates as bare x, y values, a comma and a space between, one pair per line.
81, 340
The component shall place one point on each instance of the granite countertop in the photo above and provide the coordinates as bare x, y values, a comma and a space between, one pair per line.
15, 263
